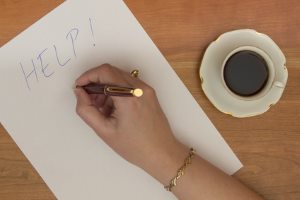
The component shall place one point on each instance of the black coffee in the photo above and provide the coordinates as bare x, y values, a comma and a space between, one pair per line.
246, 73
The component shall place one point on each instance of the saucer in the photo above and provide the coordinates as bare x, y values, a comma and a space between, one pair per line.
212, 80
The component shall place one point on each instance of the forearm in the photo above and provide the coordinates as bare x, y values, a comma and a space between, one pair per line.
201, 180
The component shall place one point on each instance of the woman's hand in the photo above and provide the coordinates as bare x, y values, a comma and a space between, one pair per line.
136, 128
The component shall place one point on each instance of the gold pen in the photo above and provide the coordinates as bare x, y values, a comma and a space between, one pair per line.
112, 90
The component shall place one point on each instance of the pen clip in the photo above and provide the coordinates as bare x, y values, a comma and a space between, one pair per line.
111, 90
124, 91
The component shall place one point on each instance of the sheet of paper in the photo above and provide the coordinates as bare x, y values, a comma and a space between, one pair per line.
37, 72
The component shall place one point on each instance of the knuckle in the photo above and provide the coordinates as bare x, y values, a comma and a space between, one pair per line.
133, 104
79, 110
106, 65
109, 71
105, 68
148, 90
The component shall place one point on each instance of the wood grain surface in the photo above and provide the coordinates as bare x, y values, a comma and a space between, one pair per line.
268, 145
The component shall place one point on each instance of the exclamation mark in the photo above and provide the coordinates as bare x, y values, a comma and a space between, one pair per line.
92, 31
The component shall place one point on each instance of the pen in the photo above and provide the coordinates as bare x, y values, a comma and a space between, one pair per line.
112, 90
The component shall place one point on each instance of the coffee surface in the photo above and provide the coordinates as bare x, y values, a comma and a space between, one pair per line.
246, 73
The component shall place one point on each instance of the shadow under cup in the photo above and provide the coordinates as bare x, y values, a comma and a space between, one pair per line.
248, 73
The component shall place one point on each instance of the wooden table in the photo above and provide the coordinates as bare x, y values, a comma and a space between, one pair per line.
268, 145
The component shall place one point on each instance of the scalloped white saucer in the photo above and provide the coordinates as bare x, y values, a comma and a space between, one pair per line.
212, 80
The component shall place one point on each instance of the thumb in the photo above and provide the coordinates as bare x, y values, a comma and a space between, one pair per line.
91, 114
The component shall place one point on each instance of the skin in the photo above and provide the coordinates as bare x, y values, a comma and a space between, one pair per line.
138, 130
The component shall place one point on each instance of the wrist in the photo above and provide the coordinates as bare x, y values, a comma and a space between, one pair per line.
164, 162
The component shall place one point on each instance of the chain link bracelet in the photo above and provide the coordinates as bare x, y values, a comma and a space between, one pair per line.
181, 170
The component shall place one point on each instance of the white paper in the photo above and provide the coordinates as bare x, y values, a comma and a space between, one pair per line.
40, 114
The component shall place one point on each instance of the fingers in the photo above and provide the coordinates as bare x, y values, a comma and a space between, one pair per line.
105, 74
90, 113
108, 107
98, 100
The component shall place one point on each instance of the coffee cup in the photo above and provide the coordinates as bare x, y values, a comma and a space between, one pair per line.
247, 73
243, 73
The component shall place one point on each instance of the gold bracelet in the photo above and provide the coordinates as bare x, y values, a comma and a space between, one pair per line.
181, 170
